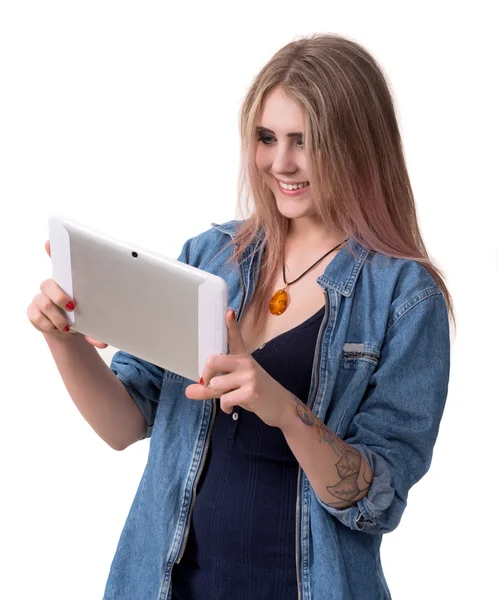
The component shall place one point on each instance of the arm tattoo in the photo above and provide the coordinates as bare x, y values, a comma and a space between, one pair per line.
350, 464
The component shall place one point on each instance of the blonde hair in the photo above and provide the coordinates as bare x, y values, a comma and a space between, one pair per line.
359, 180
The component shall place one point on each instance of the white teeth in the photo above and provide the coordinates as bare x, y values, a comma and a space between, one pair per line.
295, 186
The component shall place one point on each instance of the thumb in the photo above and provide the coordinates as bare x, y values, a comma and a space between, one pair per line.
47, 247
95, 342
235, 340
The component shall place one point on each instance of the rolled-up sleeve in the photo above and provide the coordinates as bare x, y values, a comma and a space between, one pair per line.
143, 380
396, 426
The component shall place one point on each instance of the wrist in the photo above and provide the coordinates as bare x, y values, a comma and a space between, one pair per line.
57, 338
289, 417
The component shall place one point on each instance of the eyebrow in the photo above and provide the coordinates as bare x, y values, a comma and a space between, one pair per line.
265, 130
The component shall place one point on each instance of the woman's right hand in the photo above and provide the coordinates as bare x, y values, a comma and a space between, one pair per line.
44, 311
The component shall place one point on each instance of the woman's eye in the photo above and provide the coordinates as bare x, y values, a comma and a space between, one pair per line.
269, 139
266, 139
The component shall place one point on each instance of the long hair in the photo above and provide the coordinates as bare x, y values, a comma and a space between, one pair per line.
358, 176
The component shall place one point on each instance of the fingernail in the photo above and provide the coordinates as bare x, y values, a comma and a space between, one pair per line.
70, 306
67, 328
201, 381
233, 313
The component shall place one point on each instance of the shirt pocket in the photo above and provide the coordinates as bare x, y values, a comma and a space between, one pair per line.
356, 366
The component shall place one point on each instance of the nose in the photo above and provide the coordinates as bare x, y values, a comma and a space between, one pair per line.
284, 160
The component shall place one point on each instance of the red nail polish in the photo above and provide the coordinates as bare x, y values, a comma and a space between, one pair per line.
70, 306
201, 381
67, 328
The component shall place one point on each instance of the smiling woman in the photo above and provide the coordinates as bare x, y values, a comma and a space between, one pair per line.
276, 476
280, 155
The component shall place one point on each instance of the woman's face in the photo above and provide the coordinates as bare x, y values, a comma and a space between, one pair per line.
280, 155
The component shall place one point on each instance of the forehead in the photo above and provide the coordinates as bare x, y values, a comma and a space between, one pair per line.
280, 113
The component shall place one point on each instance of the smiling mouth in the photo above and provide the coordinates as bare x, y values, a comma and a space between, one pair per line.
293, 186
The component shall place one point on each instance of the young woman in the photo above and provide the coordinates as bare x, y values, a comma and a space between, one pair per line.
278, 478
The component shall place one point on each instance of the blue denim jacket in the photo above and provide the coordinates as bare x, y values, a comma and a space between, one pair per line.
379, 381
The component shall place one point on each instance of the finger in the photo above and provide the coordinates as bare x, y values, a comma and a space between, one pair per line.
230, 400
39, 320
208, 372
224, 383
196, 391
221, 384
217, 364
235, 341
47, 247
51, 289
52, 312
95, 342
211, 369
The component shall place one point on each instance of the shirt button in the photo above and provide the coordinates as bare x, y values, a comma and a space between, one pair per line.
235, 415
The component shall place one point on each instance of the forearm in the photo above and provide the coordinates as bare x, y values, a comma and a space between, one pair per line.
97, 393
338, 473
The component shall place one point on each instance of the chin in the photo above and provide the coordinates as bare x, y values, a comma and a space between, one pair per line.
294, 209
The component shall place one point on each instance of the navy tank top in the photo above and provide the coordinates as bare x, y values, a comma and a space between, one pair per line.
242, 539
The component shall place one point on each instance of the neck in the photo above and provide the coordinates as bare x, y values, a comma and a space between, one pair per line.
307, 233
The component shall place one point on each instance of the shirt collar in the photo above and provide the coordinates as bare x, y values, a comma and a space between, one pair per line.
340, 274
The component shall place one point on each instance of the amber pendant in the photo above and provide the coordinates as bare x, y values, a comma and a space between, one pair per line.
279, 302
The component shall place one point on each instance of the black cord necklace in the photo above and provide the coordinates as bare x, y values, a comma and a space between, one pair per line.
280, 299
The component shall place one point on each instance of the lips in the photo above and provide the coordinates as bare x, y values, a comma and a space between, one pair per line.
301, 184
293, 192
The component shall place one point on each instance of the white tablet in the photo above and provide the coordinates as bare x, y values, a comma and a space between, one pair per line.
154, 307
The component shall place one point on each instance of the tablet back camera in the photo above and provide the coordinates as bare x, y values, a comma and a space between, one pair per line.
134, 254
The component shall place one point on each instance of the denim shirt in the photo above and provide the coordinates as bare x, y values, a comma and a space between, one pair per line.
379, 381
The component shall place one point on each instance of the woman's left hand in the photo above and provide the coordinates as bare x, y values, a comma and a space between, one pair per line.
243, 382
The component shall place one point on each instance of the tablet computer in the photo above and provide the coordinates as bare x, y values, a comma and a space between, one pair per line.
154, 307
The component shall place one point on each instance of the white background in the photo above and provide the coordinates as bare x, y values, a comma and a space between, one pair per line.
124, 115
